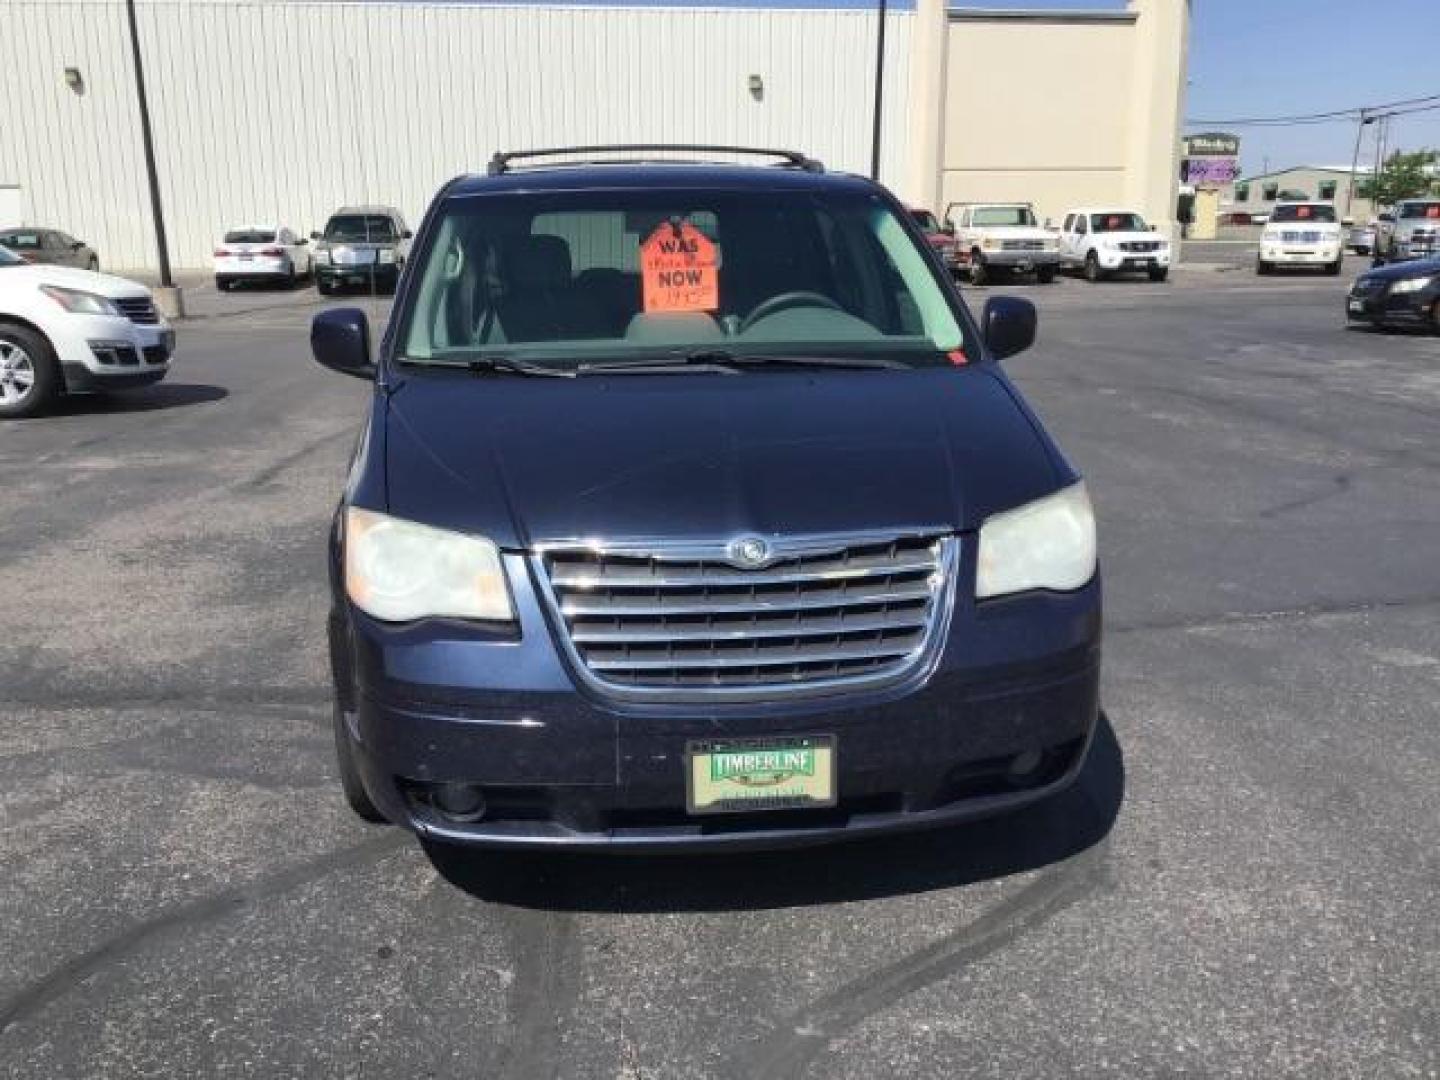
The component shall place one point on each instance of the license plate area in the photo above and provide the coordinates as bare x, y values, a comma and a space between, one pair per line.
726, 776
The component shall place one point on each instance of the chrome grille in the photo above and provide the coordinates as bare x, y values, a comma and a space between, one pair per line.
684, 622
1022, 245
1139, 245
138, 309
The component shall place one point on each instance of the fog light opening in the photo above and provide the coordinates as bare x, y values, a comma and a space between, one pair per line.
458, 802
1024, 766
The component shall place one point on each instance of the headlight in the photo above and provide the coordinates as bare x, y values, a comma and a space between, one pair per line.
322, 255
987, 242
398, 571
386, 255
1052, 245
1414, 284
1270, 236
1046, 544
1108, 244
81, 303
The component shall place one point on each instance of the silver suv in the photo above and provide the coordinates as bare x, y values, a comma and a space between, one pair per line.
1414, 233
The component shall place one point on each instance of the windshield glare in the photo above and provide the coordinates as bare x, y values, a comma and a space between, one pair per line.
1304, 212
1002, 215
360, 227
21, 241
564, 278
1121, 222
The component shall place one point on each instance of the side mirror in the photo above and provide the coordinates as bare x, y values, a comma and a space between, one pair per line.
1008, 324
302, 242
948, 228
77, 245
314, 236
406, 234
340, 340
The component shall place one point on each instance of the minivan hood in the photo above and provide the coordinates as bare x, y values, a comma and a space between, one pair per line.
704, 457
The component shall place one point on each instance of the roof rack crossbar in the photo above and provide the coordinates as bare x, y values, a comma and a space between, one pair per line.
500, 163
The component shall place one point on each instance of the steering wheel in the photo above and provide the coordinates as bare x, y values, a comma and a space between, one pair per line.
783, 301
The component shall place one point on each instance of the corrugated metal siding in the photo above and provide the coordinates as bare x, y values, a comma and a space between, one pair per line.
281, 111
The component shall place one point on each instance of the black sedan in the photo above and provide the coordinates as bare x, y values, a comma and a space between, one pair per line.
1400, 294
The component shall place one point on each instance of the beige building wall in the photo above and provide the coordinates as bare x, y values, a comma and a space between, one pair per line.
1056, 108
1306, 178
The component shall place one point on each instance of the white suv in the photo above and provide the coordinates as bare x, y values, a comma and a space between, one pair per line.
1301, 234
1102, 242
73, 331
1001, 236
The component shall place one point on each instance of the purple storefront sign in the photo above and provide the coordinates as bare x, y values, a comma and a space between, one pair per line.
1200, 170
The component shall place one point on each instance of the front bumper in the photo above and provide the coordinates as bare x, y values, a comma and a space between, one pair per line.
109, 352
1404, 309
1132, 260
1020, 260
442, 702
1300, 254
364, 274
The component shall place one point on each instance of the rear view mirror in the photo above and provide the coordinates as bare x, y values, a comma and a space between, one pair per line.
340, 341
1008, 324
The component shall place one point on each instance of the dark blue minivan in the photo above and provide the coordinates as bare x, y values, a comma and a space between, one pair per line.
693, 509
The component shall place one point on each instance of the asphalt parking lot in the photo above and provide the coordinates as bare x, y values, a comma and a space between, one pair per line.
1245, 882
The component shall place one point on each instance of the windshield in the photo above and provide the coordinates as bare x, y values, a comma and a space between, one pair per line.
21, 241
249, 236
1121, 222
360, 227
1409, 211
563, 278
926, 220
1304, 212
9, 258
1001, 215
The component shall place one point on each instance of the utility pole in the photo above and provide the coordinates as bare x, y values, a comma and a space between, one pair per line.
879, 93
169, 296
1355, 164
1384, 122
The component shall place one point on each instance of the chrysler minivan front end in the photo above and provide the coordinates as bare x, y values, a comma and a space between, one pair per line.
693, 510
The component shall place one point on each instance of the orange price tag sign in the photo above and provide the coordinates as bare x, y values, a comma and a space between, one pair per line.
679, 270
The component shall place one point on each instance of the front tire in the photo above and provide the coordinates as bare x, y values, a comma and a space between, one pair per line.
1045, 274
1263, 268
1093, 272
1333, 268
1159, 273
356, 797
29, 376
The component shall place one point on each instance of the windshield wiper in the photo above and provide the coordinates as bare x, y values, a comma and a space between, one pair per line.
496, 363
727, 361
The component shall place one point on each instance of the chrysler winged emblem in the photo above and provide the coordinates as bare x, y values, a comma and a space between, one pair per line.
748, 552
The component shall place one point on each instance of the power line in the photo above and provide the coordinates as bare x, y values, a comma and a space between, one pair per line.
1319, 117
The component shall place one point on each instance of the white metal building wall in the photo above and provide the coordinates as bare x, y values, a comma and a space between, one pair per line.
271, 110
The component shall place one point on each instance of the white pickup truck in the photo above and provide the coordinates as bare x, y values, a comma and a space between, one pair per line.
1001, 236
1103, 241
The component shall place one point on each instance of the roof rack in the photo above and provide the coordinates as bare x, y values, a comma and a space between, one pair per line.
500, 163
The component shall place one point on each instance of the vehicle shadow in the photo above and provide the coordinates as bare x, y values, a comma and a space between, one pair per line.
164, 395
1049, 832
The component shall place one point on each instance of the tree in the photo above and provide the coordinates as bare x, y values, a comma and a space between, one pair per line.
1403, 176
